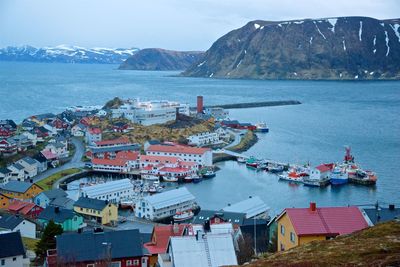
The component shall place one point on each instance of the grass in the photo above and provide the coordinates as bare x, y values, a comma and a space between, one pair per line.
247, 141
47, 183
30, 243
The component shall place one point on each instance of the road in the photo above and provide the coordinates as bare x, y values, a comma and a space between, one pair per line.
237, 135
75, 162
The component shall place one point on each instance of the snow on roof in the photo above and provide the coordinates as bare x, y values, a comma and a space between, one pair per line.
112, 186
251, 207
169, 198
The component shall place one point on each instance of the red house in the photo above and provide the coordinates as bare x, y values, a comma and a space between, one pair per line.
26, 209
160, 237
59, 124
8, 147
121, 248
5, 133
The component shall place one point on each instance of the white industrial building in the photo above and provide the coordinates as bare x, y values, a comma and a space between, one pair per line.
165, 204
150, 112
253, 207
112, 191
204, 138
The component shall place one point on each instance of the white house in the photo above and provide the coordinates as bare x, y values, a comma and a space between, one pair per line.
165, 204
202, 156
217, 113
78, 130
123, 162
5, 175
15, 255
52, 130
321, 172
30, 166
204, 138
17, 172
31, 136
16, 223
58, 148
113, 191
92, 136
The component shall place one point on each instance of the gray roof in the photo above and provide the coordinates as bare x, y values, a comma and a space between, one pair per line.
251, 206
90, 246
11, 245
169, 198
29, 160
58, 145
232, 217
60, 216
382, 215
8, 221
90, 203
16, 186
18, 166
115, 148
4, 170
61, 138
54, 193
63, 202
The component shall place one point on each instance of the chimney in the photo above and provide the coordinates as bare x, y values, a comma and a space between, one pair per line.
313, 206
199, 104
391, 206
207, 227
56, 209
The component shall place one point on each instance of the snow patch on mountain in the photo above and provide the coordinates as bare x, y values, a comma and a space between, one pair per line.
319, 31
395, 28
387, 43
333, 21
360, 32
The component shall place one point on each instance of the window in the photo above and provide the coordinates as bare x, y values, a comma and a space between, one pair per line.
282, 247
90, 265
282, 229
292, 237
136, 262
14, 259
3, 262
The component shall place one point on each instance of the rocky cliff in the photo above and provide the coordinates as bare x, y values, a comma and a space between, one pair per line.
160, 59
330, 48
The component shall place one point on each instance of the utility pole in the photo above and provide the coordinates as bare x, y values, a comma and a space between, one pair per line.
255, 237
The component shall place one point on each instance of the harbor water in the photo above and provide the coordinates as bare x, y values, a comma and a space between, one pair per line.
363, 115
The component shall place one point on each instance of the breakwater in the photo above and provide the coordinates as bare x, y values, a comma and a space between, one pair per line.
257, 104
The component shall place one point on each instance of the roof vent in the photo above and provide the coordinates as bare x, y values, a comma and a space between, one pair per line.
313, 206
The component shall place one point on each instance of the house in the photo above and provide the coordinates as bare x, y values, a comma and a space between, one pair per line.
68, 219
23, 142
166, 204
41, 133
92, 136
120, 127
216, 217
9, 124
217, 112
15, 223
78, 130
202, 247
166, 166
26, 209
297, 226
28, 125
5, 132
60, 125
5, 176
161, 235
57, 148
30, 166
122, 162
42, 119
253, 207
122, 141
17, 172
41, 162
32, 136
12, 252
63, 202
100, 211
204, 139
122, 248
46, 197
52, 131
8, 147
321, 172
110, 152
112, 191
202, 156
20, 190
381, 214
222, 133
4, 201
50, 156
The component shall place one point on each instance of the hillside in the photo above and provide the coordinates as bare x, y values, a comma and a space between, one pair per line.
375, 246
160, 59
66, 54
330, 48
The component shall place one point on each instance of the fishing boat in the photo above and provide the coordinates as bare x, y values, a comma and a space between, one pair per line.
339, 176
188, 179
276, 168
209, 174
196, 179
262, 127
150, 177
152, 189
291, 176
241, 160
181, 216
252, 162
170, 179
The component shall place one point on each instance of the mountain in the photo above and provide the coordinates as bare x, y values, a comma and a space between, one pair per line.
330, 48
160, 59
66, 54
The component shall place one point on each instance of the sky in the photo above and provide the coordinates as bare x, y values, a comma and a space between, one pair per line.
168, 24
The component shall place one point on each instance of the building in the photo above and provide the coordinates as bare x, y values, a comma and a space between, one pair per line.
121, 248
12, 252
204, 139
113, 191
46, 197
202, 156
321, 172
202, 247
17, 172
20, 190
41, 162
25, 209
63, 202
297, 226
217, 113
57, 148
5, 176
161, 235
379, 214
92, 136
8, 147
4, 201
166, 166
165, 204
150, 112
122, 141
30, 166
15, 223
100, 211
253, 207
110, 152
68, 219
216, 217
78, 130
123, 162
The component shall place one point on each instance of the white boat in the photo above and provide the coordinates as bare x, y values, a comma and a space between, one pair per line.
291, 176
339, 176
181, 216
170, 179
241, 160
149, 177
152, 189
262, 127
209, 174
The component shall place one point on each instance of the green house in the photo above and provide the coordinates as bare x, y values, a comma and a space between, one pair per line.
68, 219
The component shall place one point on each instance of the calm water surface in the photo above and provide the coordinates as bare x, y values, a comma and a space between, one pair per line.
364, 115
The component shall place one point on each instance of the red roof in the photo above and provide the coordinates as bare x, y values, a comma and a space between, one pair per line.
160, 237
118, 141
94, 130
21, 207
120, 159
326, 221
174, 148
175, 170
159, 159
48, 154
324, 167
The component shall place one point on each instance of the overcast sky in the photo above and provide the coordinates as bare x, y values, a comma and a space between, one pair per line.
170, 24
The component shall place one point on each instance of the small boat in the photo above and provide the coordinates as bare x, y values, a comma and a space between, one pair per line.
209, 174
241, 160
339, 176
252, 162
262, 127
188, 179
152, 189
276, 169
181, 216
291, 176
170, 179
150, 177
196, 179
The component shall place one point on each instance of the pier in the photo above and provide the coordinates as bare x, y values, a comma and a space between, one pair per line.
257, 104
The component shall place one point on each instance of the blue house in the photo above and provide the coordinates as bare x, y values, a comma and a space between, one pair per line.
46, 197
68, 219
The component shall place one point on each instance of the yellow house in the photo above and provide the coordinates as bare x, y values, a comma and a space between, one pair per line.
297, 226
20, 190
4, 201
95, 209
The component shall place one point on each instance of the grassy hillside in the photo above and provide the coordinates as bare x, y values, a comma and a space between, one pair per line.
375, 246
